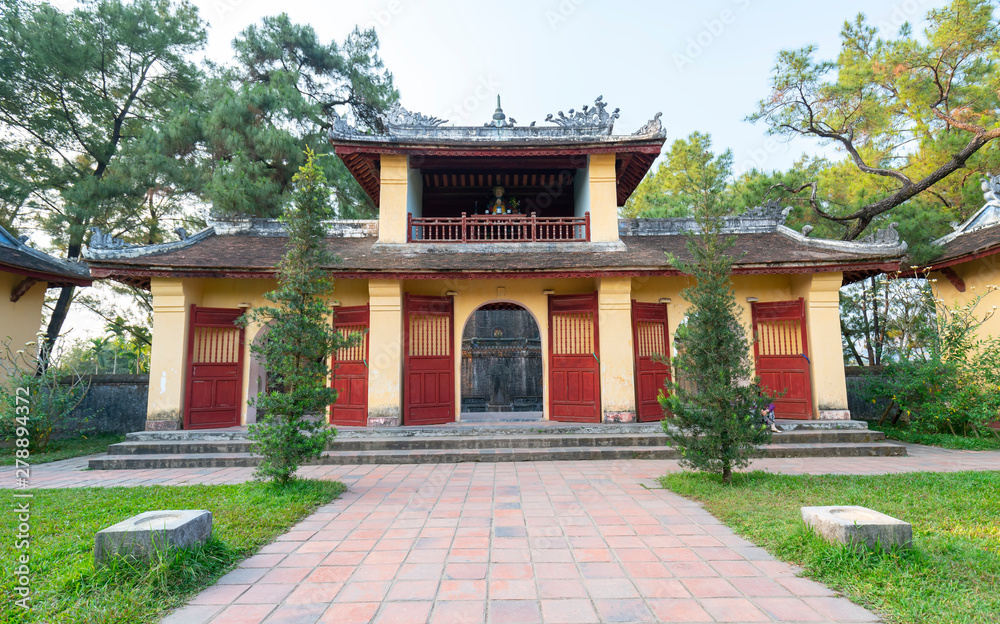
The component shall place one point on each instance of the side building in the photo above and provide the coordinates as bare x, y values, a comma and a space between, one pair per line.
495, 217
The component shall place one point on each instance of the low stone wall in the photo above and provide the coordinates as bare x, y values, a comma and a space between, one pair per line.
114, 404
860, 392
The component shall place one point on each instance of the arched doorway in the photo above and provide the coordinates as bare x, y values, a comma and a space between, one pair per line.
501, 364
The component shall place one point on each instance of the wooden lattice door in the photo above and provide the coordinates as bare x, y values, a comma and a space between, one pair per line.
574, 364
782, 354
350, 368
215, 369
651, 345
429, 365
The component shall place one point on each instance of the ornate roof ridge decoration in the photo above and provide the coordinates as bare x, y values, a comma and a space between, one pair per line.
883, 242
590, 123
103, 245
587, 117
397, 116
758, 220
987, 216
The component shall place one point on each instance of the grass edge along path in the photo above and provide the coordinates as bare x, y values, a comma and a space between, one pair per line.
65, 586
951, 575
988, 441
65, 448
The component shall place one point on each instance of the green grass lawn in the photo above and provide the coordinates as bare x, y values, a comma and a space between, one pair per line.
988, 442
65, 586
64, 449
952, 574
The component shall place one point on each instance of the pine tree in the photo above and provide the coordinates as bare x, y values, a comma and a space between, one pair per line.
301, 339
716, 398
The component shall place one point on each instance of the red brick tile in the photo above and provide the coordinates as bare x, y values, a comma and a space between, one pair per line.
512, 590
464, 612
307, 593
375, 572
511, 571
462, 590
413, 590
710, 588
219, 594
568, 612
243, 614
515, 612
661, 588
678, 610
368, 591
788, 610
404, 613
733, 610
266, 593
296, 614
840, 609
285, 575
350, 613
561, 588
461, 571
623, 611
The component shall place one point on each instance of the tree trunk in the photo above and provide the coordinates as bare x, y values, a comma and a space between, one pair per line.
727, 474
61, 309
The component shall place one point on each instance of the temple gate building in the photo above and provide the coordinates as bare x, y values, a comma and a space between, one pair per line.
491, 218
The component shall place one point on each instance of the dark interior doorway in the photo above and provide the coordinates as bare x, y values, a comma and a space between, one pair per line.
501, 364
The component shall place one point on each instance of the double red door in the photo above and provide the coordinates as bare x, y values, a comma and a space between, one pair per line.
574, 364
429, 361
651, 345
350, 368
782, 354
215, 368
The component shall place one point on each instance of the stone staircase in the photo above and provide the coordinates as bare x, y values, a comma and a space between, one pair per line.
482, 442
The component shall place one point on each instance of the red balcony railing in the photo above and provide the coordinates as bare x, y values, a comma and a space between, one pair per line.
497, 229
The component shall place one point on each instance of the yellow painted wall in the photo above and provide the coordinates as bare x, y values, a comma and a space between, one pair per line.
392, 199
20, 321
614, 304
385, 352
603, 198
978, 276
172, 299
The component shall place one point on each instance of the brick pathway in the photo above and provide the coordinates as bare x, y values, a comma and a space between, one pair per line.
523, 543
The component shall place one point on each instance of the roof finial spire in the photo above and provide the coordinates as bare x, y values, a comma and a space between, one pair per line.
498, 116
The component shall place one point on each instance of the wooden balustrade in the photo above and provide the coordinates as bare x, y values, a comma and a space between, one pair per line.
497, 229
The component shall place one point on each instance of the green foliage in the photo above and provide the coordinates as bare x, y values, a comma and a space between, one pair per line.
956, 387
988, 441
280, 99
34, 403
950, 576
66, 589
885, 318
907, 112
690, 174
123, 350
300, 341
717, 402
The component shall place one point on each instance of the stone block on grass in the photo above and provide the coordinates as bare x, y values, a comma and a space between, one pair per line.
144, 534
854, 525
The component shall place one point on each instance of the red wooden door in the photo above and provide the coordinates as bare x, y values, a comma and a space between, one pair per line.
215, 369
651, 345
429, 364
782, 354
574, 367
350, 369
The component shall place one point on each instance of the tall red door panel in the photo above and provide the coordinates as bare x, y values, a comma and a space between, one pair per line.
651, 345
429, 362
350, 369
215, 369
574, 365
782, 354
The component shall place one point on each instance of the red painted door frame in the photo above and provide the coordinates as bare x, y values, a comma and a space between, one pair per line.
575, 371
429, 362
781, 353
349, 369
214, 386
650, 374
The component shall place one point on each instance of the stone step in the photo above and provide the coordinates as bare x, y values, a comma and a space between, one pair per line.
411, 456
479, 429
479, 442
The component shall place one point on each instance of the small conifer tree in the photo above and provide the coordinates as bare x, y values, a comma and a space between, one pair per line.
292, 425
715, 398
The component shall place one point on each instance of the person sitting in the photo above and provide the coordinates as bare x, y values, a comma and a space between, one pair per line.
767, 418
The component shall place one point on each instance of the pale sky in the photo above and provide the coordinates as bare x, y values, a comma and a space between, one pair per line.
703, 64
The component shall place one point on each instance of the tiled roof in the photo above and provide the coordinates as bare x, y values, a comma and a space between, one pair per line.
16, 257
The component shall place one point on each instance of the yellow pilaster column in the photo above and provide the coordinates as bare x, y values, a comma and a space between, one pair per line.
172, 299
392, 199
385, 356
614, 304
603, 199
826, 362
